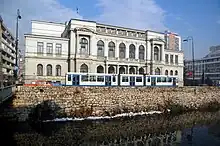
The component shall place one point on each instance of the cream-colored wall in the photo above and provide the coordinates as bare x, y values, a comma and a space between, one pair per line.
47, 28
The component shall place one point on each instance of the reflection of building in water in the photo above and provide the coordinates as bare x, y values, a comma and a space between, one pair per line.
170, 138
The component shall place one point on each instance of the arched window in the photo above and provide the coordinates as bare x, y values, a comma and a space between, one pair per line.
141, 71
122, 50
111, 49
83, 46
100, 48
122, 70
166, 72
156, 53
100, 69
141, 52
132, 51
157, 71
58, 70
49, 70
84, 68
171, 72
131, 70
111, 70
176, 73
40, 70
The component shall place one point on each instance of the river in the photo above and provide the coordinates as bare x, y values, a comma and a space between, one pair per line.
188, 129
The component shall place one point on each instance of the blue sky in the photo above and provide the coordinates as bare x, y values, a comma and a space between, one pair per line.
197, 18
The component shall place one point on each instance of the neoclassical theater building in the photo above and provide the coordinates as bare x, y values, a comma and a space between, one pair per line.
52, 49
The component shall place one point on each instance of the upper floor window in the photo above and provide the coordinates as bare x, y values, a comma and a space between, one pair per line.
176, 59
141, 52
166, 58
100, 48
132, 51
49, 48
58, 49
83, 46
40, 47
111, 49
122, 50
156, 53
171, 59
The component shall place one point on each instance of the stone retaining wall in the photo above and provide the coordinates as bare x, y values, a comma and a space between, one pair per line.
99, 101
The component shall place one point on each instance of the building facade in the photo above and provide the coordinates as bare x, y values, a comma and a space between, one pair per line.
207, 67
7, 55
53, 49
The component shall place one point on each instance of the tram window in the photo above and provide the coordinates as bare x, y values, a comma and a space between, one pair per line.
100, 78
124, 79
158, 79
163, 79
113, 79
92, 78
69, 77
138, 79
169, 79
84, 78
148, 79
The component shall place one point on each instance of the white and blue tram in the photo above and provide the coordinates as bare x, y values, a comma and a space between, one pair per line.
99, 79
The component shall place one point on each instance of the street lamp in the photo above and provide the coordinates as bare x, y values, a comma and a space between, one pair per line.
16, 45
186, 40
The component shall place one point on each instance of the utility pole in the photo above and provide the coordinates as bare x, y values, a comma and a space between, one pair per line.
1, 73
16, 47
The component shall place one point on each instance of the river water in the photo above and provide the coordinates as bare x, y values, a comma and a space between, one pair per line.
189, 129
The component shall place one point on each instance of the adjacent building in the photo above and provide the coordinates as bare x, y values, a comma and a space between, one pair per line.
206, 67
7, 55
52, 49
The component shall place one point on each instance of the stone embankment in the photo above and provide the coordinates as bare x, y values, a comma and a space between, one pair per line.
109, 101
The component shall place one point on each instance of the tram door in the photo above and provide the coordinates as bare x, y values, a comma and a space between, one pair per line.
174, 81
107, 80
153, 81
75, 80
132, 81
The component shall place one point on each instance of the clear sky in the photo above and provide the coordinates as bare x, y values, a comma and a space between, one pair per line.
197, 18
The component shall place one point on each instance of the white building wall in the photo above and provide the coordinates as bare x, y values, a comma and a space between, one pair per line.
47, 28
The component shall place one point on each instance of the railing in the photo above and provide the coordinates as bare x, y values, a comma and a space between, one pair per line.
6, 92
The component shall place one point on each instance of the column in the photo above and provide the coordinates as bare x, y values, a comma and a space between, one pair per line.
136, 52
72, 46
116, 49
163, 54
117, 69
145, 53
77, 44
106, 49
126, 51
90, 45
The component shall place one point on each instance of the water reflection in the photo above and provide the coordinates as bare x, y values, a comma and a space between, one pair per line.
188, 129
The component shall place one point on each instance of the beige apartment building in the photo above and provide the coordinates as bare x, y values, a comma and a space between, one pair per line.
7, 55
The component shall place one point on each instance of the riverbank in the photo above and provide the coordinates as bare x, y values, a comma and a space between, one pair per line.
46, 103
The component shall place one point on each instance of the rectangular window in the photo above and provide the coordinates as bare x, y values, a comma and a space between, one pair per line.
124, 79
176, 59
69, 77
158, 79
138, 79
84, 78
40, 47
58, 49
113, 79
166, 58
92, 78
49, 48
100, 78
171, 59
148, 79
